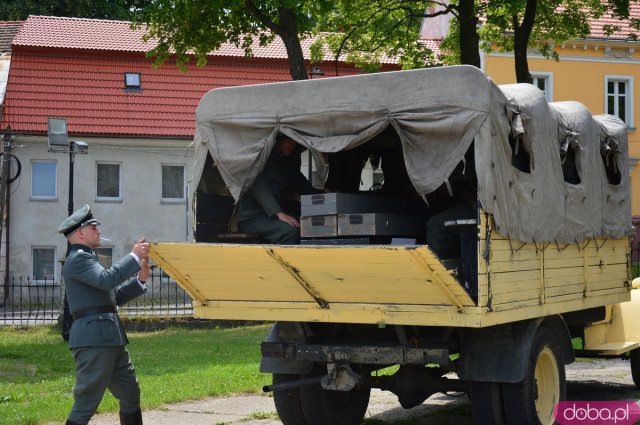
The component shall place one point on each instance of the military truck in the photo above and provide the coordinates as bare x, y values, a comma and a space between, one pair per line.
538, 272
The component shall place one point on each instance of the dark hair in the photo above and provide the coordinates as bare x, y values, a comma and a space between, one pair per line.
282, 136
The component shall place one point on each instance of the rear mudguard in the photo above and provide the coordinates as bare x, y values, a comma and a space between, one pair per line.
286, 332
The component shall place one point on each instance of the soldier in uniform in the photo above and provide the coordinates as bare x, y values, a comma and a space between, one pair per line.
97, 338
269, 208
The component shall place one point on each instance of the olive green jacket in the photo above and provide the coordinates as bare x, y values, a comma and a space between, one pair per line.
274, 189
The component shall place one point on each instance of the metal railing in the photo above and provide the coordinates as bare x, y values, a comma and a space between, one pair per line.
24, 301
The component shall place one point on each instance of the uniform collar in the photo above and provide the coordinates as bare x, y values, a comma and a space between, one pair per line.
81, 247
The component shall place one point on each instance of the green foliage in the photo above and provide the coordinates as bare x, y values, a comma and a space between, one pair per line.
186, 27
36, 369
261, 415
366, 31
450, 45
555, 22
15, 10
577, 343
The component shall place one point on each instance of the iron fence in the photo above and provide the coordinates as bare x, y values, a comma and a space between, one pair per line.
24, 301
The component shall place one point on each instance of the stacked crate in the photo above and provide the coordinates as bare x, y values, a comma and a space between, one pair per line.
344, 218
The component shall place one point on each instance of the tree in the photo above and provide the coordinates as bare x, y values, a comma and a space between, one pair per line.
366, 30
363, 31
196, 27
383, 26
516, 25
17, 10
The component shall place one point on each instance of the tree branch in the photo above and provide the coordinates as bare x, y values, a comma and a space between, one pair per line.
262, 17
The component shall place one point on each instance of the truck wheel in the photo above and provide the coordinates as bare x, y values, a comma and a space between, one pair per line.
486, 403
288, 401
532, 400
326, 407
634, 357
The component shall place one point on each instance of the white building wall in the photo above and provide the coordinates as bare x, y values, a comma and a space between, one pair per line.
140, 213
5, 63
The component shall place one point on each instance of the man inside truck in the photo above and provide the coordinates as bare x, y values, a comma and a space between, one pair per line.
271, 207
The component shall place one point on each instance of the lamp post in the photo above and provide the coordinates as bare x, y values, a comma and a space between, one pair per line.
59, 142
71, 161
81, 147
315, 71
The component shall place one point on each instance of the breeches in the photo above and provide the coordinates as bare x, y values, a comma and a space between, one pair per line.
272, 230
99, 368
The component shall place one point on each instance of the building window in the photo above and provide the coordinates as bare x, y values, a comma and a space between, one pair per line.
105, 256
544, 81
173, 182
132, 81
108, 182
619, 98
44, 180
44, 265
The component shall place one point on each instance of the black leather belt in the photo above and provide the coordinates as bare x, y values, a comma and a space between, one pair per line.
93, 310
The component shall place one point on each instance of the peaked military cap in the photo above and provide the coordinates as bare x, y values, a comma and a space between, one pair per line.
77, 220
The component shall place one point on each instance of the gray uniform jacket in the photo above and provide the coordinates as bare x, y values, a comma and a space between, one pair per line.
90, 285
273, 188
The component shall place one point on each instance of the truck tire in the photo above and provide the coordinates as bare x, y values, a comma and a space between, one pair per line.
634, 359
288, 401
532, 400
486, 403
326, 407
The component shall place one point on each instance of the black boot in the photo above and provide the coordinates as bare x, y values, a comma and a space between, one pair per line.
134, 418
70, 423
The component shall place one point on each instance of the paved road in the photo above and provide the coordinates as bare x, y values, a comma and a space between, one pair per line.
586, 380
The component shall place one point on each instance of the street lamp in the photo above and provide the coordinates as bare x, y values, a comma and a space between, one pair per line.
59, 142
315, 70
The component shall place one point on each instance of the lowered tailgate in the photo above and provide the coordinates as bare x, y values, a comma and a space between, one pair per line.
354, 284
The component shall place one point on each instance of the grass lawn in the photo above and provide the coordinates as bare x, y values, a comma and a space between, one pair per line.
36, 369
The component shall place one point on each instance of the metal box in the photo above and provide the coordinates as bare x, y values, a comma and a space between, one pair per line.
337, 241
347, 203
319, 226
375, 224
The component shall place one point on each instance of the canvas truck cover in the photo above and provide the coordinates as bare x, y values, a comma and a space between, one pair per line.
437, 114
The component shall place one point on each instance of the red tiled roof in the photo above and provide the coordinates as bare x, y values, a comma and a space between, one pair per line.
89, 92
80, 33
60, 68
74, 68
96, 34
624, 28
434, 45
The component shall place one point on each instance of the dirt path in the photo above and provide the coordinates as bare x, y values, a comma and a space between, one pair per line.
586, 380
